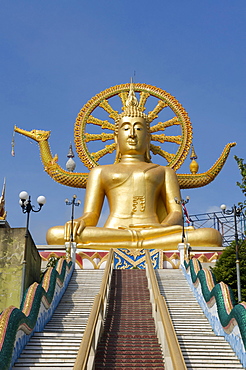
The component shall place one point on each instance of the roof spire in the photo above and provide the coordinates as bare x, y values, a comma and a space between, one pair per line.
70, 165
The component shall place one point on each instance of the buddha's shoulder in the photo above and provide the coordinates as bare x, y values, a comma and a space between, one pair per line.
103, 169
166, 171
160, 168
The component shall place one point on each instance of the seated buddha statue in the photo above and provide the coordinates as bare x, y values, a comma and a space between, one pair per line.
141, 195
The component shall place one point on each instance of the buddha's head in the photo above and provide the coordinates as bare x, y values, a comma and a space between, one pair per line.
132, 134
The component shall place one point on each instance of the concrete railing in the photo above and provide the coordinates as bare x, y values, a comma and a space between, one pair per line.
86, 354
164, 327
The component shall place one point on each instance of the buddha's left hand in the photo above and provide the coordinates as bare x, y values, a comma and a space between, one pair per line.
73, 229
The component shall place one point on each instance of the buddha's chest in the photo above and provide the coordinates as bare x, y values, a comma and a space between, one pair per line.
133, 180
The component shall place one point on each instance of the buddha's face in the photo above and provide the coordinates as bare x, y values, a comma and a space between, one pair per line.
133, 136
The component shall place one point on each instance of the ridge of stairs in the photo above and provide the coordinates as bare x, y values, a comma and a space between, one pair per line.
129, 338
201, 348
56, 347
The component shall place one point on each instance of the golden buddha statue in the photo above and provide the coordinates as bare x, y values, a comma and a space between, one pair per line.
141, 197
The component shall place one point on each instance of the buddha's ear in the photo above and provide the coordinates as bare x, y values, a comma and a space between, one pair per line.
149, 138
147, 154
117, 154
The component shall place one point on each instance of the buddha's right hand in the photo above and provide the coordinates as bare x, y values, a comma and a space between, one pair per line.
72, 229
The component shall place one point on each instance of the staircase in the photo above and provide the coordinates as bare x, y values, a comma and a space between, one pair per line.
201, 348
129, 340
57, 346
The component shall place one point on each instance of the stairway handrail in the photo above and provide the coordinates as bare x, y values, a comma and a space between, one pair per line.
106, 275
162, 315
86, 354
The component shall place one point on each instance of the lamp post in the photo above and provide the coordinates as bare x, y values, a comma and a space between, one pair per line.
27, 207
182, 202
73, 203
236, 211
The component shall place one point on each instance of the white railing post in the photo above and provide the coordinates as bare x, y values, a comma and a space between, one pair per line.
181, 248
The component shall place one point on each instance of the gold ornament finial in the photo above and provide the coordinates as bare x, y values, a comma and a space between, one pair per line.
131, 107
131, 101
194, 166
193, 153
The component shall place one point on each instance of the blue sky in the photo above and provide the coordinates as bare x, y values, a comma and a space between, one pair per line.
56, 55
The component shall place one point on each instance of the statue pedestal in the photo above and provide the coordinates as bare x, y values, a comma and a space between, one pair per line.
96, 259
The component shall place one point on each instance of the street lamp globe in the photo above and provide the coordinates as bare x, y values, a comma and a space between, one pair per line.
41, 200
23, 195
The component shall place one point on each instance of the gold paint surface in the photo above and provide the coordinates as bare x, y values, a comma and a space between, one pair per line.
134, 189
143, 213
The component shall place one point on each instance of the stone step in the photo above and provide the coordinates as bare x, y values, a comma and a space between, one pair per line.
213, 358
29, 357
48, 361
129, 366
121, 362
208, 360
198, 329
60, 330
205, 366
126, 349
69, 322
50, 348
131, 356
45, 366
51, 335
204, 338
49, 344
199, 351
140, 343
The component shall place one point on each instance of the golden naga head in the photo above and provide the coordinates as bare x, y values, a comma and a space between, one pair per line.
37, 135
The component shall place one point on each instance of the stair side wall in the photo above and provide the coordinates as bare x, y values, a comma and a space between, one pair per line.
232, 331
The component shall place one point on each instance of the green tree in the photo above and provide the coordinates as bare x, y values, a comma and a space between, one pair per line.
242, 168
225, 268
51, 263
